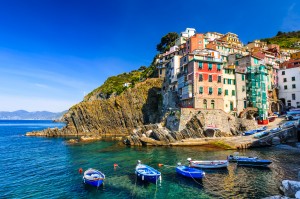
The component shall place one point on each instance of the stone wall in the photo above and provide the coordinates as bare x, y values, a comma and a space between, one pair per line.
217, 118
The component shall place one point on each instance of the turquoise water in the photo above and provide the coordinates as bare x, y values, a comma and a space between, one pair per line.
34, 167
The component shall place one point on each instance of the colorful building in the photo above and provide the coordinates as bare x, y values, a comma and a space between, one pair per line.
256, 84
229, 88
203, 85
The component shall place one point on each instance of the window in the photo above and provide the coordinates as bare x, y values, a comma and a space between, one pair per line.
234, 82
245, 104
229, 81
255, 61
243, 77
209, 66
219, 91
200, 90
219, 67
205, 104
219, 79
224, 81
243, 88
293, 96
210, 78
212, 104
236, 63
284, 79
226, 92
233, 93
210, 90
226, 71
283, 73
200, 65
293, 78
285, 87
294, 86
200, 77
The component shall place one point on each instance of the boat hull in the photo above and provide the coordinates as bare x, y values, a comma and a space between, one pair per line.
190, 172
216, 164
95, 183
253, 162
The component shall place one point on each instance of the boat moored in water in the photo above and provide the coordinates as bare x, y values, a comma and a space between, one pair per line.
93, 177
147, 173
208, 164
235, 157
190, 172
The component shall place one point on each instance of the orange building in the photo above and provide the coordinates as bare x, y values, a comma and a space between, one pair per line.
195, 42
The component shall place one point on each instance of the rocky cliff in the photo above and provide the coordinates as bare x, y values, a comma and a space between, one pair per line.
117, 115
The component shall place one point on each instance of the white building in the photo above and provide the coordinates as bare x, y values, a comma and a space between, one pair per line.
289, 86
173, 68
184, 36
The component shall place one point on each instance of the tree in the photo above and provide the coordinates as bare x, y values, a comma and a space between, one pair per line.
166, 42
279, 33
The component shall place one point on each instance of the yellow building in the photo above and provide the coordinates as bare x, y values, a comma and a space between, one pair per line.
295, 55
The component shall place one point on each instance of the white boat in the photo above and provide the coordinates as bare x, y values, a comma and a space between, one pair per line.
208, 164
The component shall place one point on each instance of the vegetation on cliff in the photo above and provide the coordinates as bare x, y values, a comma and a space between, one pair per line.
285, 39
167, 42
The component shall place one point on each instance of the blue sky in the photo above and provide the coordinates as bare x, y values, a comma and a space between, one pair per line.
53, 52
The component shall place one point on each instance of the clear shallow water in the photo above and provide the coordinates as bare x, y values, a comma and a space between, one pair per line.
34, 167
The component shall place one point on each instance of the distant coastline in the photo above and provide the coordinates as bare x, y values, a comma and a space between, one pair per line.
26, 115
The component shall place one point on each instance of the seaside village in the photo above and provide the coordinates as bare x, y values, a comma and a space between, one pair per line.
217, 71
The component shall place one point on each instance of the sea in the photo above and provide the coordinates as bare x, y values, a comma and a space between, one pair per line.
39, 167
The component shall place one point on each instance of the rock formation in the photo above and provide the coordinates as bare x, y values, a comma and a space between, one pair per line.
117, 115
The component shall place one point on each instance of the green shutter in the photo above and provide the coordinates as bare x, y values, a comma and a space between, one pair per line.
219, 91
210, 90
210, 66
233, 92
224, 80
200, 89
219, 67
243, 77
200, 65
234, 82
226, 92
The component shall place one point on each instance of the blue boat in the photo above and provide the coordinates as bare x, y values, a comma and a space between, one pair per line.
253, 162
288, 125
261, 134
275, 130
147, 173
261, 129
190, 172
250, 132
93, 177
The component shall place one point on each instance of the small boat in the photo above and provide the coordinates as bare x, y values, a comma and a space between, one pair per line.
288, 125
210, 164
147, 173
235, 157
253, 162
261, 134
190, 172
275, 130
93, 177
261, 129
250, 132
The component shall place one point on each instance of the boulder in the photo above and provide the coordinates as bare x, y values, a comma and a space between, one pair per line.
297, 195
290, 188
